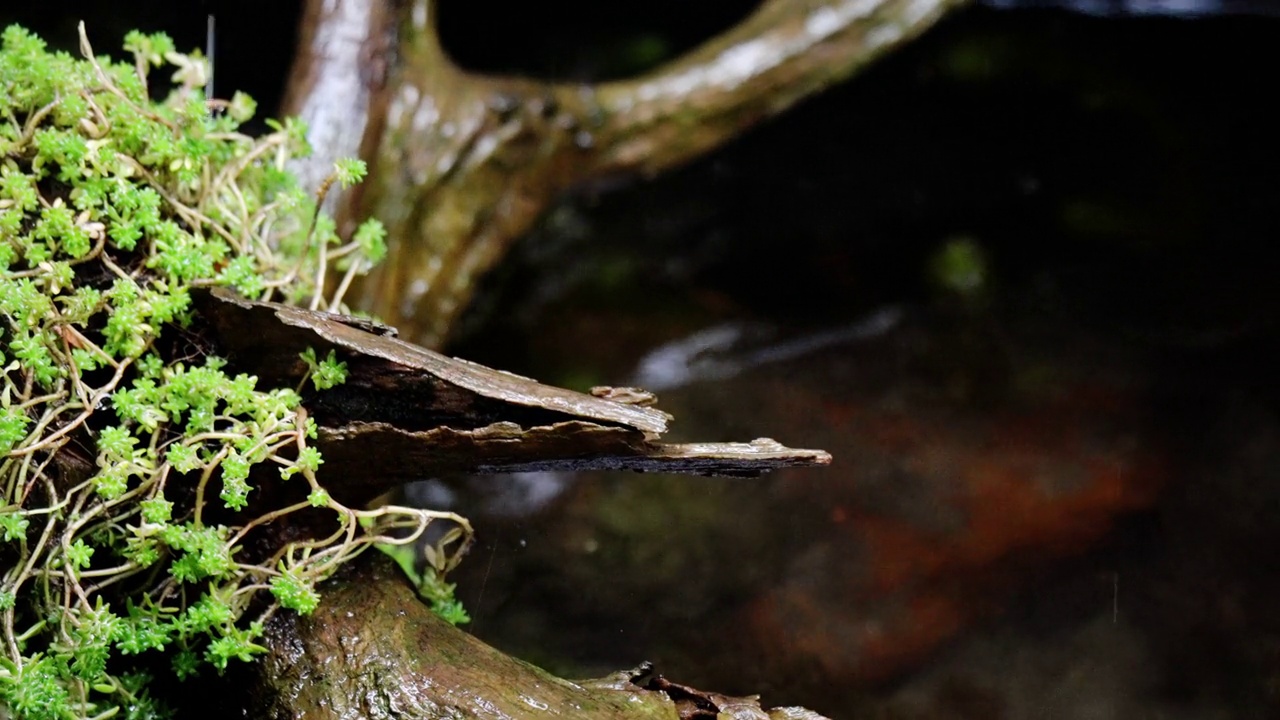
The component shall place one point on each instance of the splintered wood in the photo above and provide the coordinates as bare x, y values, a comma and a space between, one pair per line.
406, 412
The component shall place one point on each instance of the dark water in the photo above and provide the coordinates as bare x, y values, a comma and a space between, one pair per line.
1050, 488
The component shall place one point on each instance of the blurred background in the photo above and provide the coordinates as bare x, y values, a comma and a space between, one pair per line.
1018, 278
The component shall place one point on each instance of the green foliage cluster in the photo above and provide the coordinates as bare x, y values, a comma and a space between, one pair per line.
118, 439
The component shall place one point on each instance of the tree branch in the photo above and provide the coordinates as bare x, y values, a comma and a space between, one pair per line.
784, 52
465, 163
338, 81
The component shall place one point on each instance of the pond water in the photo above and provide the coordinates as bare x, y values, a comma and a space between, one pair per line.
1019, 281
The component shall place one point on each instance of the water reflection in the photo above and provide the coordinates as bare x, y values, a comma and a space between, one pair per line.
723, 351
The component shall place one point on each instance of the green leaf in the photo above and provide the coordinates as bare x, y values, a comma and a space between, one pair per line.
157, 510
186, 664
237, 644
116, 443
349, 171
14, 524
183, 458
112, 481
242, 107
325, 373
318, 498
294, 593
13, 428
37, 692
79, 555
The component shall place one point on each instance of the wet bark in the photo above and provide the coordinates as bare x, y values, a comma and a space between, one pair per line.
373, 650
463, 164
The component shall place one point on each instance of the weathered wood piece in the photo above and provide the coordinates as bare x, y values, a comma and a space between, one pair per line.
406, 412
267, 338
372, 650
574, 445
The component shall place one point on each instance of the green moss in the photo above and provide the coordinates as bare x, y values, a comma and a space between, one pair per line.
114, 440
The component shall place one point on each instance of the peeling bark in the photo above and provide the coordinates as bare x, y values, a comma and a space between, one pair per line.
465, 163
406, 412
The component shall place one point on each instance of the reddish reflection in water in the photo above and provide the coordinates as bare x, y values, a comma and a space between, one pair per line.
966, 471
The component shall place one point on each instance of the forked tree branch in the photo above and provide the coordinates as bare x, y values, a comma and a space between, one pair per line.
466, 163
